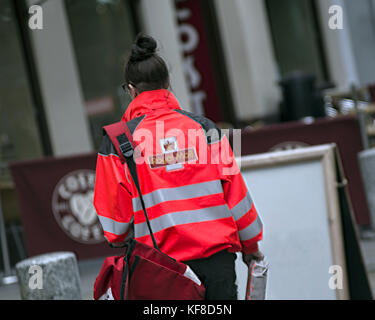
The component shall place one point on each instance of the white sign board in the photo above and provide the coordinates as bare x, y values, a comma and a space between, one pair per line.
294, 193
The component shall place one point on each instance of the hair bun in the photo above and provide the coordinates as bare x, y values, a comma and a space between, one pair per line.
143, 48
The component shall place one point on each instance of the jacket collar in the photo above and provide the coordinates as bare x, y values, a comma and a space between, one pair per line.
151, 101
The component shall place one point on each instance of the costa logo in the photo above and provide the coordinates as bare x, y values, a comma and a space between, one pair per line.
72, 206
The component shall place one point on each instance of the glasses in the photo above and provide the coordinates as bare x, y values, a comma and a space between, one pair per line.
125, 87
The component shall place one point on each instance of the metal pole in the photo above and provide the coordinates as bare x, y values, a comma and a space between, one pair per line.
8, 278
361, 119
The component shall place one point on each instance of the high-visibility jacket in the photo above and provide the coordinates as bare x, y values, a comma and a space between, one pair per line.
195, 195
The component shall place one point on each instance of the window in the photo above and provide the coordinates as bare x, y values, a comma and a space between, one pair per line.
102, 33
296, 37
19, 133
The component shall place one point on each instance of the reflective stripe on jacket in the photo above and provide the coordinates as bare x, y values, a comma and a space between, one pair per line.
195, 195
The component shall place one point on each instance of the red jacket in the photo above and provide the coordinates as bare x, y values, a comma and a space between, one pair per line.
195, 195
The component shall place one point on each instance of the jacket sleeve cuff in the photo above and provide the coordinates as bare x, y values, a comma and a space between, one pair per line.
250, 249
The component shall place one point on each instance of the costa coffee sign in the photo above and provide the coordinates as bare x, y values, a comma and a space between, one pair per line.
197, 60
72, 206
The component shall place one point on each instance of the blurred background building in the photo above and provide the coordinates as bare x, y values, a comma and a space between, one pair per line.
238, 62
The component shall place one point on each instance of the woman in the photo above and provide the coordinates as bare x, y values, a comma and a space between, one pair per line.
200, 210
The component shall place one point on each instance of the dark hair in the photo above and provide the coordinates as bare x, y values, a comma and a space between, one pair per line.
145, 69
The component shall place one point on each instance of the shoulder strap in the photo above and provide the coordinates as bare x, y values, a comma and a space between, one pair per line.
119, 134
122, 140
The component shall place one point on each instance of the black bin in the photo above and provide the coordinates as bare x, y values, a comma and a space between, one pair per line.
301, 97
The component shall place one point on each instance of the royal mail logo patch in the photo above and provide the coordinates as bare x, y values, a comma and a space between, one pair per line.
172, 158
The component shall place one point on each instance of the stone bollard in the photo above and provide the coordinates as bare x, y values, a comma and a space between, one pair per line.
53, 276
367, 164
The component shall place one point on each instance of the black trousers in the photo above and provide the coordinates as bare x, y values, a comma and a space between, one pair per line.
217, 274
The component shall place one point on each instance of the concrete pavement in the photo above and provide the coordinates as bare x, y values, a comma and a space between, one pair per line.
89, 270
